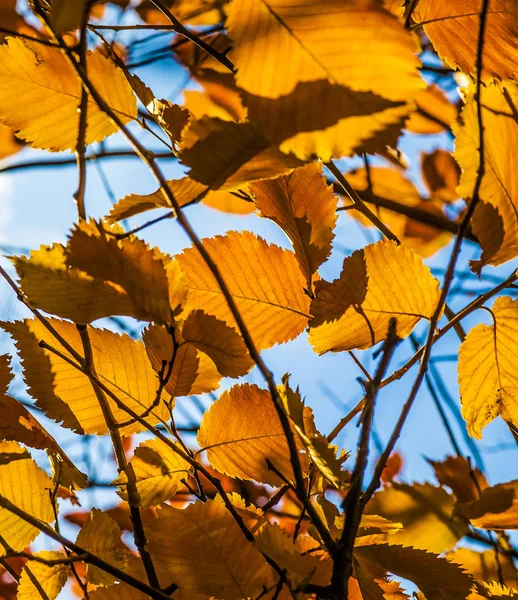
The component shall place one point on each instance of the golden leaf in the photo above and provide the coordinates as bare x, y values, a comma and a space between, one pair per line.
40, 94
434, 112
51, 579
227, 155
193, 371
194, 12
229, 203
465, 482
241, 431
65, 15
495, 222
320, 59
452, 26
24, 484
488, 374
485, 566
154, 282
221, 343
206, 534
9, 144
67, 396
101, 536
381, 281
264, 281
158, 473
305, 208
497, 507
441, 174
425, 512
19, 425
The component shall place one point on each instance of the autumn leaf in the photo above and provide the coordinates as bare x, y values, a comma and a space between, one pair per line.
206, 533
101, 536
158, 473
488, 377
194, 12
9, 144
303, 205
26, 486
495, 221
380, 282
434, 112
483, 566
452, 26
241, 433
66, 395
332, 69
41, 94
265, 282
19, 425
425, 512
456, 472
51, 579
496, 508
193, 371
441, 175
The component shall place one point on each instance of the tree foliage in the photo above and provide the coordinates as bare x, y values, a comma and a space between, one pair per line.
260, 504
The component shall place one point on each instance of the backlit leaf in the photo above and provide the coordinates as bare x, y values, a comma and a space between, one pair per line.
40, 94
264, 280
452, 27
66, 395
24, 484
465, 482
305, 208
206, 534
497, 507
158, 473
434, 112
377, 283
51, 579
241, 432
495, 222
441, 174
488, 374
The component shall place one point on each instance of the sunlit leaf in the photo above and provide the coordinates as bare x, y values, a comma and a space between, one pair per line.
434, 112
497, 507
51, 579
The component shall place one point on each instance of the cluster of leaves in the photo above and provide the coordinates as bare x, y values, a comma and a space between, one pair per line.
264, 507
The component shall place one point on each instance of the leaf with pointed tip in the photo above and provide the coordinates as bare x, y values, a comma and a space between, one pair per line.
305, 208
265, 282
153, 281
158, 473
456, 472
101, 536
66, 395
495, 221
381, 281
206, 534
51, 579
18, 424
24, 484
485, 566
40, 94
488, 374
496, 508
441, 174
434, 112
193, 371
241, 432
453, 26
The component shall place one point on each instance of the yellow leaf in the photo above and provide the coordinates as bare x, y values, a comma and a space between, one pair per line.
51, 579
9, 144
101, 536
485, 566
221, 343
321, 59
67, 396
264, 280
456, 472
488, 374
425, 512
452, 27
305, 208
158, 473
154, 282
206, 534
227, 155
66, 15
40, 94
441, 174
497, 507
495, 222
193, 371
19, 425
228, 203
185, 190
70, 293
241, 432
194, 12
381, 281
434, 112
24, 484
